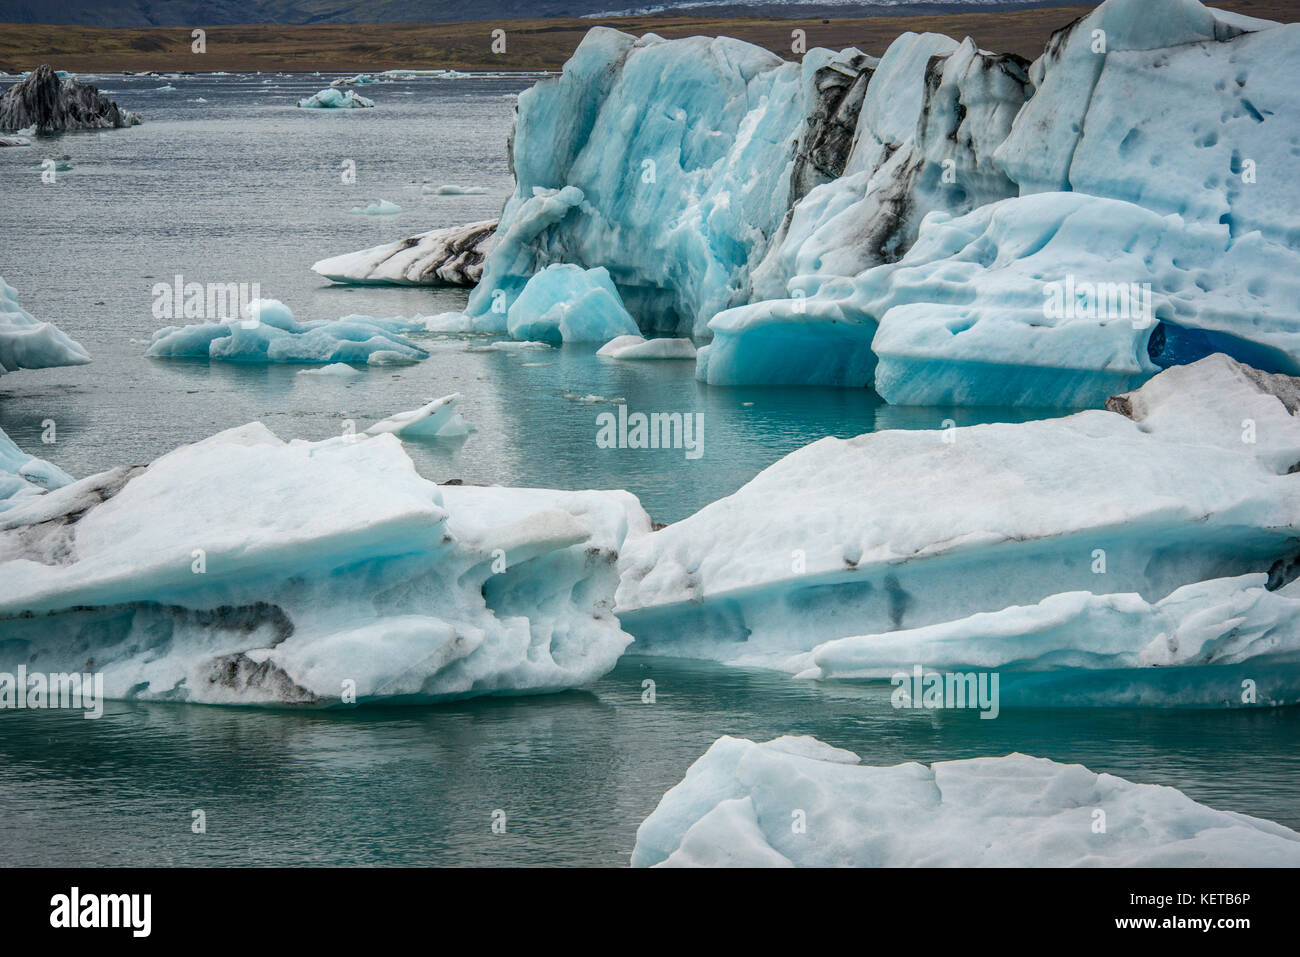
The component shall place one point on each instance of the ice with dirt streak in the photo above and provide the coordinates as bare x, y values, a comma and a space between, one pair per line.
243, 569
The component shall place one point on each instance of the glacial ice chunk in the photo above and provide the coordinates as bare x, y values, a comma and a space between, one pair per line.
1200, 646
28, 343
378, 207
451, 189
271, 334
453, 256
734, 808
902, 529
678, 201
332, 99
568, 303
334, 369
437, 419
637, 347
23, 475
247, 570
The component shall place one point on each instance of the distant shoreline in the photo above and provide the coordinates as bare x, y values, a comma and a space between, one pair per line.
538, 44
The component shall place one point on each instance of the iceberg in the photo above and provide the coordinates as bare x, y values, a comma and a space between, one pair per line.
678, 201
23, 476
243, 569
28, 343
452, 256
1048, 300
1078, 189
737, 802
636, 347
332, 99
271, 334
450, 189
567, 303
904, 529
437, 419
1229, 642
334, 369
55, 102
378, 207
946, 225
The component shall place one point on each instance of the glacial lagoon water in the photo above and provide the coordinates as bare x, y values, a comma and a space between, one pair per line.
228, 182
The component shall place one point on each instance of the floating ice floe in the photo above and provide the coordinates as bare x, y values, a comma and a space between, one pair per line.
637, 347
51, 102
437, 419
23, 476
334, 369
451, 256
1228, 642
271, 334
508, 345
28, 343
451, 189
331, 99
895, 530
361, 79
735, 806
378, 207
570, 304
246, 570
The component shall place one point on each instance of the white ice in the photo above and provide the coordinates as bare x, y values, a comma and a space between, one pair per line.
246, 570
796, 801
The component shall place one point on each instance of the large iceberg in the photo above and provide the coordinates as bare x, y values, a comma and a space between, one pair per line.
946, 224
1120, 221
247, 570
271, 334
452, 256
667, 162
903, 529
52, 103
28, 343
797, 801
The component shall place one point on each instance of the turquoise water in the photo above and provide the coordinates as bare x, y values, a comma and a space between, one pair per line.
245, 188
